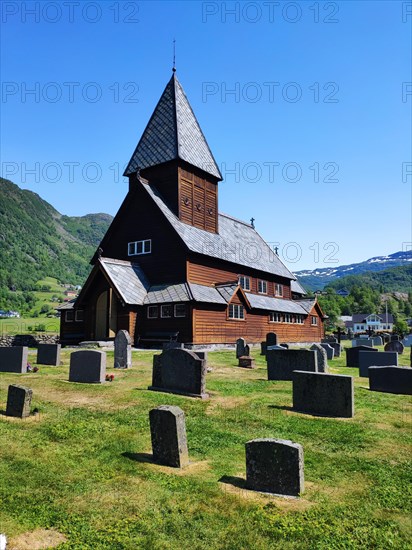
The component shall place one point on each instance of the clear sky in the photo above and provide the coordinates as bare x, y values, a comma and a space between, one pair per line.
305, 105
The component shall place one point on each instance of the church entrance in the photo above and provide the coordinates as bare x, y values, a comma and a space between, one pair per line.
106, 315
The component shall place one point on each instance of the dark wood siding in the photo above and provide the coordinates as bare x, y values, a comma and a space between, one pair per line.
198, 199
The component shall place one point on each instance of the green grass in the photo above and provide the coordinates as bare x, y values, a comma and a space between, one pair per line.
20, 326
81, 465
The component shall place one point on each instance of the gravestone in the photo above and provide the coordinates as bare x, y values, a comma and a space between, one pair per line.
14, 359
362, 342
322, 358
376, 359
330, 352
263, 348
352, 355
407, 341
168, 433
323, 394
394, 345
48, 354
329, 340
377, 341
88, 366
18, 401
395, 338
240, 348
391, 379
246, 362
337, 348
274, 466
122, 350
247, 351
179, 371
282, 363
271, 339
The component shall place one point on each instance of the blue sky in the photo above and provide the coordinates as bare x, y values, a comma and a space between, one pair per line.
305, 105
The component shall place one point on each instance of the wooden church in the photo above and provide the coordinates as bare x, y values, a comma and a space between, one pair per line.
171, 267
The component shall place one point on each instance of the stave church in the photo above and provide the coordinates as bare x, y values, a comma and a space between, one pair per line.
171, 267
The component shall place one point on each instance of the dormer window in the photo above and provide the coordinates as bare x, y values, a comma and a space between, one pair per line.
244, 282
137, 248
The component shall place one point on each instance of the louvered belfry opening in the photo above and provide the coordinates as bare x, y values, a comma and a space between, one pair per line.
174, 156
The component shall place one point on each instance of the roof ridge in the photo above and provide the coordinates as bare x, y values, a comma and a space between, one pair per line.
238, 220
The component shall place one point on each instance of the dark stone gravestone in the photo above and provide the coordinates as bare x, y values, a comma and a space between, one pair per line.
274, 466
48, 354
391, 379
271, 339
362, 342
282, 363
322, 357
395, 338
179, 371
262, 348
323, 394
18, 401
394, 345
14, 359
240, 348
168, 432
246, 362
122, 350
377, 341
337, 348
330, 352
352, 355
88, 366
247, 351
376, 359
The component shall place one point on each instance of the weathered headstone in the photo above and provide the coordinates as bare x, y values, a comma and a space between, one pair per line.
391, 379
322, 357
246, 362
271, 339
48, 354
274, 466
14, 359
263, 348
323, 394
282, 363
122, 350
376, 359
407, 341
168, 432
377, 341
330, 352
88, 366
362, 342
394, 345
337, 348
352, 355
179, 371
247, 351
19, 401
240, 348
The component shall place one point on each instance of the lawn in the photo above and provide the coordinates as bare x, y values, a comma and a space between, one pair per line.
81, 467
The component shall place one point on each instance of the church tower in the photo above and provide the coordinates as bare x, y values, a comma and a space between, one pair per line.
173, 155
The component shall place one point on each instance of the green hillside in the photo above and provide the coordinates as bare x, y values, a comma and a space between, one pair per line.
36, 241
394, 279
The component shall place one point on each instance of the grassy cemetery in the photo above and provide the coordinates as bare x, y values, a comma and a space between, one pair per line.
78, 473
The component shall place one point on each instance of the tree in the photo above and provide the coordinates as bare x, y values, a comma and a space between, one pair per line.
400, 327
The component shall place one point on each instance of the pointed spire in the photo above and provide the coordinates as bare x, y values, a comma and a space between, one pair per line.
174, 55
173, 132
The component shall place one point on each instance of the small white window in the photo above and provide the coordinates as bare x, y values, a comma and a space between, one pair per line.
79, 316
236, 311
152, 312
166, 311
288, 318
262, 287
244, 282
314, 320
69, 316
138, 248
275, 317
180, 310
278, 290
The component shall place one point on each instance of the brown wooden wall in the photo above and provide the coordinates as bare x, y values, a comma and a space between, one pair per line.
198, 200
181, 324
212, 326
207, 271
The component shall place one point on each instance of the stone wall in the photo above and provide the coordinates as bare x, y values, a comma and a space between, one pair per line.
29, 340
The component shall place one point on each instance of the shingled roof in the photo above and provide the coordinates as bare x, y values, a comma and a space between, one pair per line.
236, 242
173, 132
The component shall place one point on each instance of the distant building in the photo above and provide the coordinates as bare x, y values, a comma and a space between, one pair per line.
363, 322
343, 292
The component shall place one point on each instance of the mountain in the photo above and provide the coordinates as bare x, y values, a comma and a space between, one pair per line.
37, 241
317, 279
